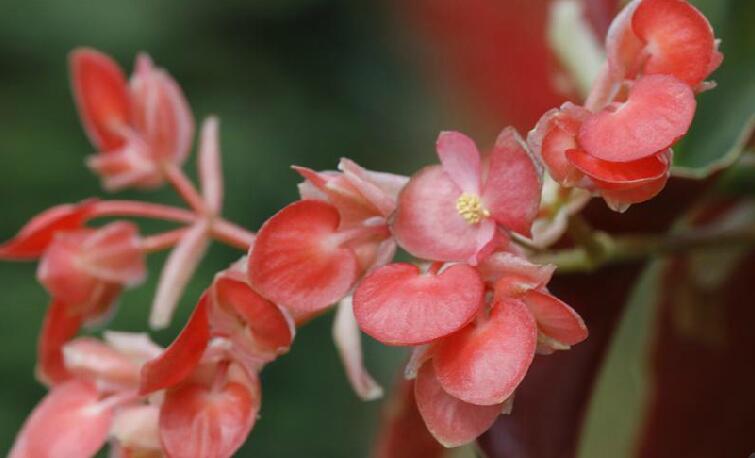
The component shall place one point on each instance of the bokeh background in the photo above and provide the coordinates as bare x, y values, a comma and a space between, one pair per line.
294, 82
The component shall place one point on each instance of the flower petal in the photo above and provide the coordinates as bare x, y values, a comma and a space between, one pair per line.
555, 318
60, 325
484, 363
270, 328
620, 199
460, 160
399, 305
69, 422
34, 238
507, 264
209, 167
100, 91
137, 427
512, 186
554, 134
427, 223
348, 341
161, 113
639, 171
196, 421
178, 269
297, 260
451, 421
657, 112
678, 39
91, 359
183, 355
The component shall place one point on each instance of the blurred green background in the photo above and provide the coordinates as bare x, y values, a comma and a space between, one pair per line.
294, 82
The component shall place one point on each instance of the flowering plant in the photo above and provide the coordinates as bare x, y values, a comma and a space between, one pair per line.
473, 304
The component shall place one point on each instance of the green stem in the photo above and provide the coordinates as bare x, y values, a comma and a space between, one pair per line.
627, 248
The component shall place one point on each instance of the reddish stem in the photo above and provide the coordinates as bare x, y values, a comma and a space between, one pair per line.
141, 209
232, 234
185, 189
163, 240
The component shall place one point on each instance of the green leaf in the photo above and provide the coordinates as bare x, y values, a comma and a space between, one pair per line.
725, 117
618, 401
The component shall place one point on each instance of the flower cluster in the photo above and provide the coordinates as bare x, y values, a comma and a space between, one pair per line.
472, 307
618, 145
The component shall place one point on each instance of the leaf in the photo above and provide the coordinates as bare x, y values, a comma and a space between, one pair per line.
725, 117
620, 391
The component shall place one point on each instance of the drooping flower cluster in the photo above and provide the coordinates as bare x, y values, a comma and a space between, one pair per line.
472, 307
618, 145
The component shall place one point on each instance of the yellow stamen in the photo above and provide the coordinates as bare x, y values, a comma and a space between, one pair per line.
470, 208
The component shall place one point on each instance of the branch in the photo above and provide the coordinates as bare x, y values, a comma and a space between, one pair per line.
628, 248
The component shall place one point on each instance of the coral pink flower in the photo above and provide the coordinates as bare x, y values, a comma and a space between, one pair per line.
621, 152
667, 37
210, 371
83, 267
482, 327
452, 211
139, 128
211, 395
77, 416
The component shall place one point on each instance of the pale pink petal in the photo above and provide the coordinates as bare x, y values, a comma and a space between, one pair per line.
622, 45
137, 426
370, 188
485, 362
451, 421
427, 223
136, 345
91, 359
348, 341
555, 318
160, 112
209, 166
400, 305
461, 160
69, 422
178, 269
512, 186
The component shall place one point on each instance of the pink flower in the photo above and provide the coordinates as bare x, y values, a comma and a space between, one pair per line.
479, 345
454, 211
78, 416
139, 127
309, 255
209, 373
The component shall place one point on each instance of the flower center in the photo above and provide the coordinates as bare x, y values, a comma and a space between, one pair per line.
470, 208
